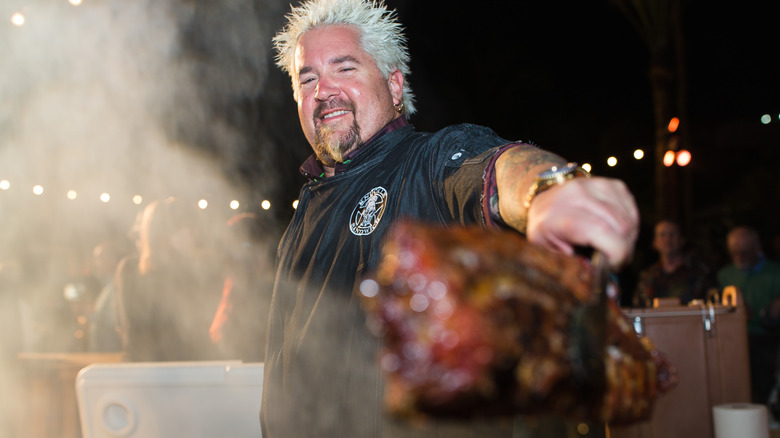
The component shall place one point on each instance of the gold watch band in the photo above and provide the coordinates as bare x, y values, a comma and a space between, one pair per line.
553, 177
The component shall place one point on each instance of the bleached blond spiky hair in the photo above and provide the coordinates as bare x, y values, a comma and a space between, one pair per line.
381, 36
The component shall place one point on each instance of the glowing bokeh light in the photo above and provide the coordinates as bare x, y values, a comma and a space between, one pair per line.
5, 184
587, 167
295, 204
265, 205
74, 2
639, 154
766, 118
203, 204
611, 161
17, 19
138, 199
674, 123
683, 158
72, 194
105, 197
234, 204
38, 189
668, 158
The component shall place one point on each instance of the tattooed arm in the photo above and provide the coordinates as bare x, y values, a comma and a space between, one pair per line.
596, 212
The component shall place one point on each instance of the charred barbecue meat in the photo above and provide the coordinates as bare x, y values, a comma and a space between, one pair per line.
481, 323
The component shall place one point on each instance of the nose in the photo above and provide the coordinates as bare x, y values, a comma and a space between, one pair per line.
325, 90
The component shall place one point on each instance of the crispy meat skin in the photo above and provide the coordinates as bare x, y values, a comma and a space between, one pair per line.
479, 323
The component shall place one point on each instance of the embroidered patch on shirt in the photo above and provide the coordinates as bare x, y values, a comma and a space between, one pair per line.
368, 212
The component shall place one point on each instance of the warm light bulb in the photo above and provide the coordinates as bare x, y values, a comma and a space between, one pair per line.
668, 158
234, 204
138, 199
5, 184
38, 189
674, 123
639, 154
295, 204
587, 167
265, 205
203, 204
17, 19
72, 194
611, 161
683, 158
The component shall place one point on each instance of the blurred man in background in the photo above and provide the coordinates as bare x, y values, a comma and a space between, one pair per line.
676, 274
759, 281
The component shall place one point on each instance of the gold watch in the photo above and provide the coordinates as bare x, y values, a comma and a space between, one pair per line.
552, 177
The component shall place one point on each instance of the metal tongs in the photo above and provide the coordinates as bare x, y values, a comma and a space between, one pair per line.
589, 332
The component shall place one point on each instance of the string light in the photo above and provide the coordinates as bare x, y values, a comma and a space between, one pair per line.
668, 158
17, 19
683, 158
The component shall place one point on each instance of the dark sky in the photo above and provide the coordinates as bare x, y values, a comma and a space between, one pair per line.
572, 77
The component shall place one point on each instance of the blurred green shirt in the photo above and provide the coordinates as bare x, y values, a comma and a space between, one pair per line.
759, 286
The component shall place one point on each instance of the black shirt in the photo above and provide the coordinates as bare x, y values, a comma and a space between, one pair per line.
322, 377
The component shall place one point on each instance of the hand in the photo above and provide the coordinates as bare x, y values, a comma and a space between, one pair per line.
595, 212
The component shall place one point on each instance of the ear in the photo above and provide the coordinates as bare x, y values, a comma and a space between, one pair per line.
395, 83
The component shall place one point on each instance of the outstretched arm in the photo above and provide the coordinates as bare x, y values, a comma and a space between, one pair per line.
595, 212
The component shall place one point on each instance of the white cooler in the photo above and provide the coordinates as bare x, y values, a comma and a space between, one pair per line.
170, 399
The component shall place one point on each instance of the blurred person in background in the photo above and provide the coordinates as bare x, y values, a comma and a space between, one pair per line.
759, 281
676, 274
104, 330
168, 291
239, 326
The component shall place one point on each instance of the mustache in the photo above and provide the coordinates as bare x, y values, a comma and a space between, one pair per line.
331, 104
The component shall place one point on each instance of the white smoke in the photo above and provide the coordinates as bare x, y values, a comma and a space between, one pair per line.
122, 98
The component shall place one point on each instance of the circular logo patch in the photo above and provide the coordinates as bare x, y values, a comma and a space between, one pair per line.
368, 212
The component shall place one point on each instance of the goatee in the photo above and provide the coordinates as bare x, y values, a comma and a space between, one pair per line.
330, 146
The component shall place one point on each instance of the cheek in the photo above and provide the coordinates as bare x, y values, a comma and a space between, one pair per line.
305, 114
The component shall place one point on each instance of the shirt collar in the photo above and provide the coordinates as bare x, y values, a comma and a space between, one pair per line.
312, 168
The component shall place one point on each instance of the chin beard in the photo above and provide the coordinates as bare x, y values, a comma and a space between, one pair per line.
330, 147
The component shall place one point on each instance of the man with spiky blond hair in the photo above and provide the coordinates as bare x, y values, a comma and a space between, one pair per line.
348, 62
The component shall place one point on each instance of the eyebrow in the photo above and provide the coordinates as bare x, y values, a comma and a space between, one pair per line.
339, 60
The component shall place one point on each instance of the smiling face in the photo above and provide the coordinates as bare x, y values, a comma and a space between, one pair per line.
343, 98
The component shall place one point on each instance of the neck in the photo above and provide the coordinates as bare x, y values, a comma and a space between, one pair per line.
670, 262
